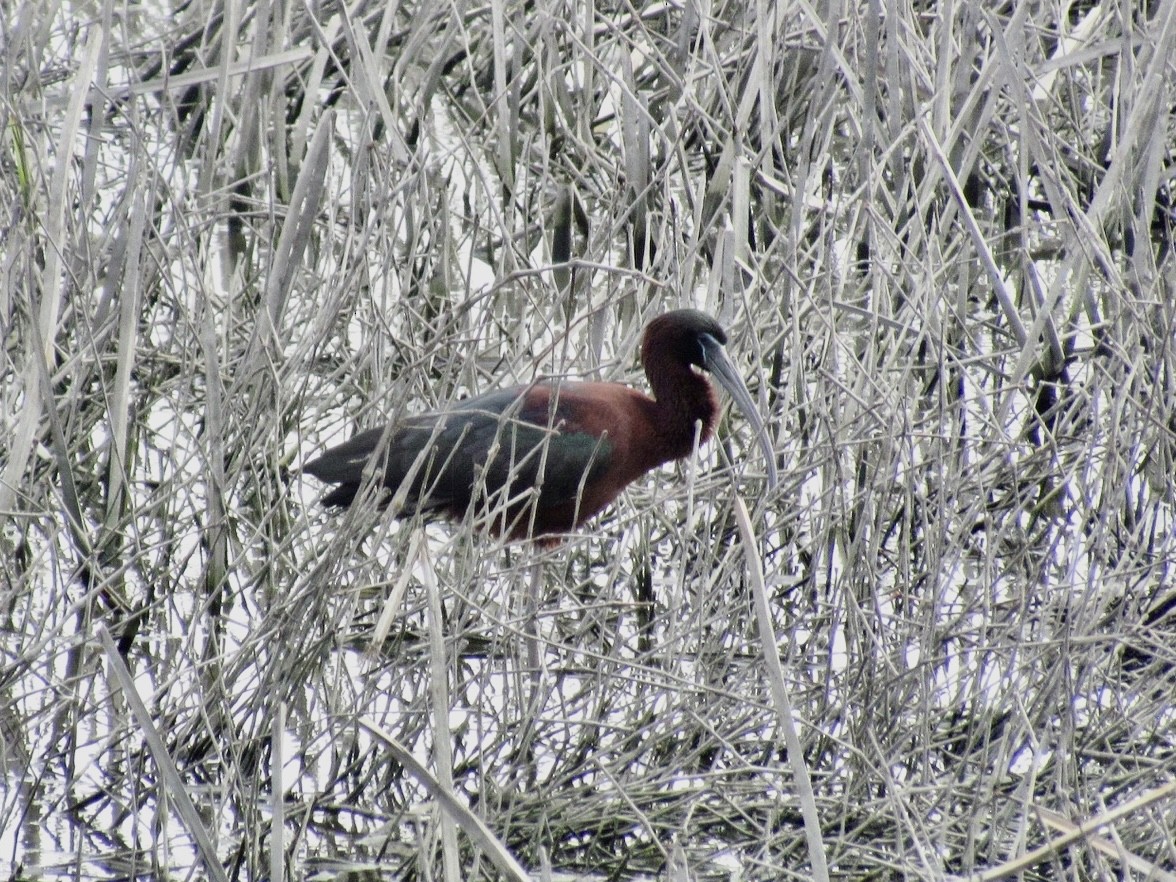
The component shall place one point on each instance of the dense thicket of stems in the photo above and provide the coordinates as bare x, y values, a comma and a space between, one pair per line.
941, 238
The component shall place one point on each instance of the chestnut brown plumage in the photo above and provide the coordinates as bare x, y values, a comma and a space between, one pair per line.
542, 459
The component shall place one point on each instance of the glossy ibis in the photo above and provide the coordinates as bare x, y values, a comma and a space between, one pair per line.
544, 458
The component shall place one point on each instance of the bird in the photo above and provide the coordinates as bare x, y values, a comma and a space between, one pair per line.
539, 460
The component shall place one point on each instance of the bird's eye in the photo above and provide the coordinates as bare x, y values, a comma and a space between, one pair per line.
704, 344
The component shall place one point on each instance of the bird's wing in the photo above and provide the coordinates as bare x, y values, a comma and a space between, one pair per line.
501, 441
504, 443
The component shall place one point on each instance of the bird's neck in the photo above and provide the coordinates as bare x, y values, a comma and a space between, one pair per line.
683, 399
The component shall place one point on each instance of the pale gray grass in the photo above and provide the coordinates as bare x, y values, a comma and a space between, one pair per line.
941, 240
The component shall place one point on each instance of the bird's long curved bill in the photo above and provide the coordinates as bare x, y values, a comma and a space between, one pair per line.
720, 367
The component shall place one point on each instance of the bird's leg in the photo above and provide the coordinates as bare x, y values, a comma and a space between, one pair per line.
531, 625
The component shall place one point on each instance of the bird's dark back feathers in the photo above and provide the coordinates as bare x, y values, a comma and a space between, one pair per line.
490, 447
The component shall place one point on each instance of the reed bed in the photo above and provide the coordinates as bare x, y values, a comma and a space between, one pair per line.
940, 236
